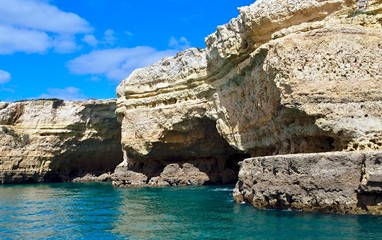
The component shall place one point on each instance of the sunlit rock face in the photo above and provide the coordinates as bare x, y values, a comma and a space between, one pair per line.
298, 76
56, 140
167, 126
284, 77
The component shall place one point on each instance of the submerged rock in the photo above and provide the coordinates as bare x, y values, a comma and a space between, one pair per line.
55, 140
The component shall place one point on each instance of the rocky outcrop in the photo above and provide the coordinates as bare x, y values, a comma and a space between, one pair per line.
326, 182
308, 81
163, 110
56, 140
284, 77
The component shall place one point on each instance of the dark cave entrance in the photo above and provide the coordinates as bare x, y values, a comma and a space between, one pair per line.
192, 148
90, 157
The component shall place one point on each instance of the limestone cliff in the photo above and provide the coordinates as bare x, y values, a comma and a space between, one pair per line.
283, 77
165, 111
56, 140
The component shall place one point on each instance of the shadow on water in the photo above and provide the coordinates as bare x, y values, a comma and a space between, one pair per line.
96, 210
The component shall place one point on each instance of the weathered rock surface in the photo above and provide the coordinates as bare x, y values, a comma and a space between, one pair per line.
310, 83
284, 77
327, 182
55, 140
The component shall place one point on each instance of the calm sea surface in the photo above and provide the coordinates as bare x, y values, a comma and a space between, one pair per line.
99, 211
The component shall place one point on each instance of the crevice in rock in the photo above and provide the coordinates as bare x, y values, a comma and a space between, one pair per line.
17, 112
369, 192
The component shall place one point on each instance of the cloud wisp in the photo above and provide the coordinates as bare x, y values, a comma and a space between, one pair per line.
68, 93
90, 39
33, 26
4, 76
180, 44
109, 37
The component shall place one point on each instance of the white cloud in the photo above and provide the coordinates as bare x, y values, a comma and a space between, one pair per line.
107, 40
90, 40
118, 63
23, 40
180, 44
4, 76
38, 15
68, 93
34, 26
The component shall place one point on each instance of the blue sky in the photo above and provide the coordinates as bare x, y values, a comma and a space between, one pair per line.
81, 49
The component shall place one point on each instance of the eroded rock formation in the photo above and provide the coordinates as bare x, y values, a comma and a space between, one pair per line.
340, 182
164, 111
284, 77
56, 140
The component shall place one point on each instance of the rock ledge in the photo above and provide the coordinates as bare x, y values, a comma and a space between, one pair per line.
341, 182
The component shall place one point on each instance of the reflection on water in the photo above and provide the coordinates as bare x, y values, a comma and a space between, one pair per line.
50, 211
98, 211
170, 213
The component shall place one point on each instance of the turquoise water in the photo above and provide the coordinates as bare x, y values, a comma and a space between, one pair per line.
99, 211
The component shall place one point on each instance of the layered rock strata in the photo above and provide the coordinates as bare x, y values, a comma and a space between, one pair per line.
283, 77
56, 140
327, 182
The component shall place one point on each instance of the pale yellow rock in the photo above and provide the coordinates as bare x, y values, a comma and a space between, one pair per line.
283, 77
56, 140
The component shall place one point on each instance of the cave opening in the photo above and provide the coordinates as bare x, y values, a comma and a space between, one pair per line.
91, 157
192, 153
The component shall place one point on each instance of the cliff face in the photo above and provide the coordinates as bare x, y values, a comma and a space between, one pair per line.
55, 140
284, 77
307, 81
165, 111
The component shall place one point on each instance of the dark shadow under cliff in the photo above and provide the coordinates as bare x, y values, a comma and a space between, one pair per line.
194, 150
91, 147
